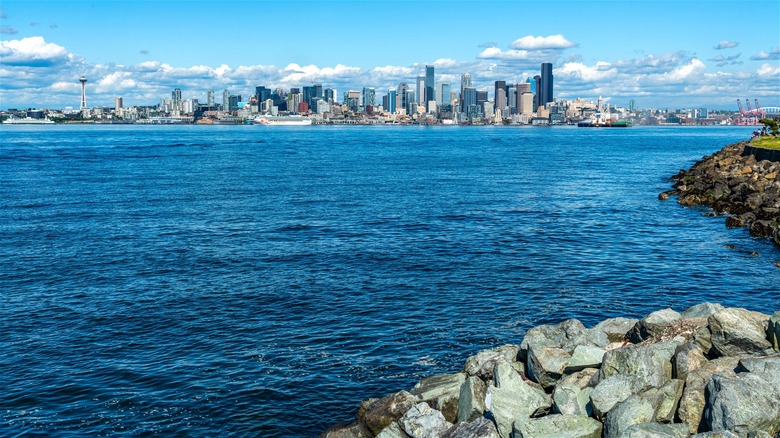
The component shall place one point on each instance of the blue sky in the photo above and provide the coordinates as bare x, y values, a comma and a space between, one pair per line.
664, 54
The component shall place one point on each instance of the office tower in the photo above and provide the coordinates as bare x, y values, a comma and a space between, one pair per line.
329, 95
117, 103
538, 88
420, 89
465, 82
469, 97
262, 94
482, 97
176, 97
391, 96
400, 103
443, 94
525, 103
546, 84
308, 94
210, 98
428, 84
83, 81
499, 95
226, 100
233, 101
317, 90
369, 97
522, 87
410, 104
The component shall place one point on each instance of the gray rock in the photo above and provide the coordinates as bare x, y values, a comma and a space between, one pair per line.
558, 426
768, 368
569, 399
585, 356
471, 403
567, 333
738, 331
664, 400
652, 324
394, 430
687, 358
725, 434
483, 363
580, 379
703, 339
634, 410
615, 329
441, 393
742, 404
657, 430
773, 331
377, 414
545, 365
421, 421
611, 391
352, 430
651, 363
702, 310
692, 402
513, 399
479, 428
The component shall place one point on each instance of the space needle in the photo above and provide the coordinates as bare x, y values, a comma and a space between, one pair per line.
83, 81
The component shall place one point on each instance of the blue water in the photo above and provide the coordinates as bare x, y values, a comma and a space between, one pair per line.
250, 281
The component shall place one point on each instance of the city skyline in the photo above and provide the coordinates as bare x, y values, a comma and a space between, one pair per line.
652, 52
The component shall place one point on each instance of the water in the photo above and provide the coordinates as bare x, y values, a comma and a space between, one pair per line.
249, 281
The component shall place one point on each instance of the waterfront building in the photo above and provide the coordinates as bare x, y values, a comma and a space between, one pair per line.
546, 84
429, 84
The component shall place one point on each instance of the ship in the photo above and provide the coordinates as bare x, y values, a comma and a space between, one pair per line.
28, 121
603, 119
291, 120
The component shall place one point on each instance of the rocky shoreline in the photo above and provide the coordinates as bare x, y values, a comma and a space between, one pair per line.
708, 371
734, 182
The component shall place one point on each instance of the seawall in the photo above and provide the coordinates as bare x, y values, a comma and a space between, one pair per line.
707, 370
740, 181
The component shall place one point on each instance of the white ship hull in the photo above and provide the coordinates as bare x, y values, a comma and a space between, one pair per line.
283, 121
28, 121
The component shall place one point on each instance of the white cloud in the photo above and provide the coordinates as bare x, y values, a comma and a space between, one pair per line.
33, 52
684, 72
726, 45
576, 70
496, 53
116, 81
764, 56
767, 70
541, 43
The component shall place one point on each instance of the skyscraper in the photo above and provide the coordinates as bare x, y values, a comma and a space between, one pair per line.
369, 97
391, 96
499, 96
538, 88
210, 98
226, 100
428, 84
546, 84
443, 94
420, 90
262, 93
465, 82
401, 102
176, 97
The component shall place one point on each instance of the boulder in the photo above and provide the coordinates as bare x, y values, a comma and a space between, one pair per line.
545, 365
664, 400
692, 402
377, 414
773, 331
513, 399
651, 363
652, 324
394, 430
441, 393
569, 399
611, 391
687, 358
483, 363
741, 404
657, 430
584, 356
471, 403
567, 333
738, 331
352, 430
569, 426
615, 328
703, 310
421, 421
634, 410
766, 367
479, 428
581, 379
681, 330
725, 434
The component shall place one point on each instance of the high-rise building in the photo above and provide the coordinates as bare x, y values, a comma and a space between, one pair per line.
420, 89
262, 93
443, 94
329, 95
525, 103
546, 84
465, 82
117, 103
499, 96
210, 98
429, 84
391, 96
482, 97
176, 97
401, 98
369, 97
226, 100
468, 98
233, 101
538, 88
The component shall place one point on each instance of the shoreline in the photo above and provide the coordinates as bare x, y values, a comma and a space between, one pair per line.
705, 370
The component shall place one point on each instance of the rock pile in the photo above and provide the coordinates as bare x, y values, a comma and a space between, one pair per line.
709, 371
733, 182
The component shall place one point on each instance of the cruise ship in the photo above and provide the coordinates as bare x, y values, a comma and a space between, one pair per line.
292, 120
27, 121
